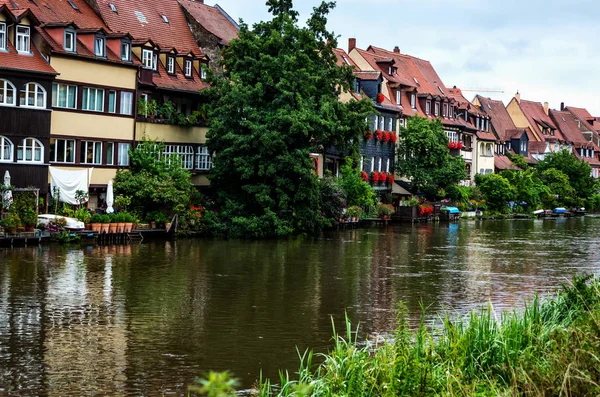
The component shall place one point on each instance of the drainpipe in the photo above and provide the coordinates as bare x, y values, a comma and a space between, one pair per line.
135, 109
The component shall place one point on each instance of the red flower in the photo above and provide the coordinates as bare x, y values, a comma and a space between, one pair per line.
364, 176
380, 98
386, 136
379, 135
394, 137
390, 178
368, 134
375, 176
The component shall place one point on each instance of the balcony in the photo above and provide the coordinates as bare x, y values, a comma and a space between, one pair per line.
467, 154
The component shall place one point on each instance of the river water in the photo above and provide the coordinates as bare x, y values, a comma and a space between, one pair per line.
146, 319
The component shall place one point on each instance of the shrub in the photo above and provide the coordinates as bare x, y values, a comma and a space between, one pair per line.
385, 209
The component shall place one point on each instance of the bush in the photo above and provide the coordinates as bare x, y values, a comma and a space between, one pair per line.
385, 210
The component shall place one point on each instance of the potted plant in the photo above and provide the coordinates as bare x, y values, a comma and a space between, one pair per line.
11, 222
105, 224
96, 223
354, 213
120, 218
161, 219
29, 218
147, 108
167, 110
83, 215
384, 211
128, 222
113, 225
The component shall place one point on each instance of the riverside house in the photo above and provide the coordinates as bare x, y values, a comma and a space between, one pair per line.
26, 80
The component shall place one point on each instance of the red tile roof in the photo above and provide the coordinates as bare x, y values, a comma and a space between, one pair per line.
503, 163
343, 59
500, 119
31, 63
212, 19
58, 12
399, 77
178, 82
567, 124
143, 20
535, 114
585, 117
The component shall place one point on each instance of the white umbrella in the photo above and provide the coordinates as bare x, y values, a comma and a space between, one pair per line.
8, 198
110, 198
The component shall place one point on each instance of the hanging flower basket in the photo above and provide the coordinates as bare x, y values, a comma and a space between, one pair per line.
364, 176
393, 137
368, 134
375, 177
390, 178
455, 145
380, 98
386, 136
379, 135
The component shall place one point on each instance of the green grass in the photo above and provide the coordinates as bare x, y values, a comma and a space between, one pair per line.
551, 348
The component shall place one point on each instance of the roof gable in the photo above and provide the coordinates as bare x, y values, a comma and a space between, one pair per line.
214, 19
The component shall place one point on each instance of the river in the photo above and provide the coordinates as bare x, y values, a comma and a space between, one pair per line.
146, 319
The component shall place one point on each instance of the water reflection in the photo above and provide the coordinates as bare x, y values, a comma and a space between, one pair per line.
147, 319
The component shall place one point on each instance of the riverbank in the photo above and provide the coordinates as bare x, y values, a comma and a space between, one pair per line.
549, 348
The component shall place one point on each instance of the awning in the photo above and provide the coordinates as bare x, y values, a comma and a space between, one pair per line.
397, 189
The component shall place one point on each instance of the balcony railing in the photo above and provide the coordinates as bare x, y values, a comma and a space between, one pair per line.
467, 155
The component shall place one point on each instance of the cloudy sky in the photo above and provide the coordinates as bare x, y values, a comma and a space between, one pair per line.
547, 50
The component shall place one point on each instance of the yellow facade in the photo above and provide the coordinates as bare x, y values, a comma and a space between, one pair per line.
171, 133
485, 157
516, 114
90, 125
95, 72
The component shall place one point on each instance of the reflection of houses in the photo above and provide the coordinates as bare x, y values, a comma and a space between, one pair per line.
25, 93
413, 85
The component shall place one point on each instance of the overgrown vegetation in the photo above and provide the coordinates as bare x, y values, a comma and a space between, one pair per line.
550, 348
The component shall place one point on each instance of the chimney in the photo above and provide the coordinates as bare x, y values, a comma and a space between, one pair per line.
396, 50
546, 108
562, 106
351, 45
518, 97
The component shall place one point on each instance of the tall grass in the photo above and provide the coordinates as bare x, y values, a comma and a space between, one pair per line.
551, 348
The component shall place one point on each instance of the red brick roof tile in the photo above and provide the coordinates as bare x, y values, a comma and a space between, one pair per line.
31, 63
212, 19
567, 124
58, 12
499, 117
535, 114
178, 81
504, 163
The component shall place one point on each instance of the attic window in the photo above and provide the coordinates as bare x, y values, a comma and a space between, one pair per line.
113, 7
74, 6
415, 79
164, 17
442, 91
489, 106
346, 60
141, 17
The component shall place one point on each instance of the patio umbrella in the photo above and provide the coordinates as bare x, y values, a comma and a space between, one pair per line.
7, 199
110, 198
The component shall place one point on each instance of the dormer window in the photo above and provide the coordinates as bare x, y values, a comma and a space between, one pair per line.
445, 110
70, 40
147, 58
170, 65
100, 46
2, 36
390, 70
413, 101
398, 97
188, 68
203, 72
23, 39
428, 107
125, 51
437, 109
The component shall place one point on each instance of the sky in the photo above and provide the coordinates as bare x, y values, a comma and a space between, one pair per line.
549, 50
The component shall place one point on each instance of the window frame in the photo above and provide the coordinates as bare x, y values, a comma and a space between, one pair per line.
73, 34
413, 101
203, 72
56, 95
428, 107
398, 97
38, 90
436, 108
147, 58
121, 152
124, 101
110, 148
87, 103
34, 147
54, 150
5, 144
26, 37
187, 72
445, 110
170, 65
8, 84
100, 49
114, 109
83, 154
3, 37
125, 50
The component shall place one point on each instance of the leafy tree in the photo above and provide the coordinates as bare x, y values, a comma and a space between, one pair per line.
358, 191
518, 160
578, 172
278, 99
155, 182
496, 189
560, 191
527, 186
424, 157
333, 199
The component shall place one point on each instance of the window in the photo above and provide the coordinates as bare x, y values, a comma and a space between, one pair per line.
147, 60
112, 101
123, 159
125, 51
413, 101
64, 96
62, 150
204, 160
91, 152
374, 120
30, 151
452, 136
6, 149
2, 36
7, 93
398, 97
488, 150
70, 40
92, 99
362, 163
437, 109
188, 68
387, 165
390, 122
428, 107
33, 95
110, 153
170, 65
155, 62
372, 164
445, 110
99, 46
379, 165
165, 19
126, 102
23, 41
184, 152
203, 71
401, 122
523, 147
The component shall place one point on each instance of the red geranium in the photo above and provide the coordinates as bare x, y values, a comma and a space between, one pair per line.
364, 176
368, 134
425, 209
393, 137
379, 135
375, 176
386, 136
390, 178
380, 98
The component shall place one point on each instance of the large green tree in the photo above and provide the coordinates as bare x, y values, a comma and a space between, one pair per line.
276, 102
578, 172
496, 190
528, 187
424, 157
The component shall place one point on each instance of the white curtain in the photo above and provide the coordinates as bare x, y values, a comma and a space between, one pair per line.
68, 182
